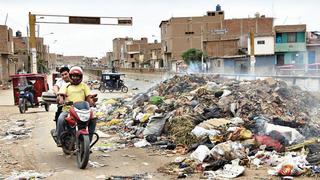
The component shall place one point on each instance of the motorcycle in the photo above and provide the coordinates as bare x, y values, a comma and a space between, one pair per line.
75, 138
114, 86
112, 82
25, 96
94, 84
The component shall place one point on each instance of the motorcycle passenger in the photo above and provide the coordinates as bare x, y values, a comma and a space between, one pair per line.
74, 91
64, 72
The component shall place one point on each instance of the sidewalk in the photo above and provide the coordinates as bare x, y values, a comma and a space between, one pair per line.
6, 97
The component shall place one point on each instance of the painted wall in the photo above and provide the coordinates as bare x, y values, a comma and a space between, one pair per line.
265, 64
294, 58
260, 48
228, 66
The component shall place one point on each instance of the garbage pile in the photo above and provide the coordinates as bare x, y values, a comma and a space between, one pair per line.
225, 124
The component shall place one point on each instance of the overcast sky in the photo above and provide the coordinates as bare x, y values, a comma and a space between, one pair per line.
91, 40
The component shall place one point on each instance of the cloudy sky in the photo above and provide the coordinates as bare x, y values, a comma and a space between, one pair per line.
91, 40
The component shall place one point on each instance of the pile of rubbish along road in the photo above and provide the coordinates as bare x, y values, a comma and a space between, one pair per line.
225, 125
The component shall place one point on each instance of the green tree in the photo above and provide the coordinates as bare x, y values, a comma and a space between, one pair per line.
192, 56
42, 67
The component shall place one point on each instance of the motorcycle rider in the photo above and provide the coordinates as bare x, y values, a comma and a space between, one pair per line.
64, 72
30, 92
74, 91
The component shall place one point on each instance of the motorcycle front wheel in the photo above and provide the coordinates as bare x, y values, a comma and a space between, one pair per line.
83, 151
22, 105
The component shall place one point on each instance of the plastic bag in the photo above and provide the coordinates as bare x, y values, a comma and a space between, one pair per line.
155, 125
200, 131
200, 153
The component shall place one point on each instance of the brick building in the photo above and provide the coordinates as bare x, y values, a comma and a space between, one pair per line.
20, 45
72, 60
7, 65
131, 53
120, 51
213, 34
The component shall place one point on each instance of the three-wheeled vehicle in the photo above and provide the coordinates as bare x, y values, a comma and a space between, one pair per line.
112, 82
55, 77
26, 90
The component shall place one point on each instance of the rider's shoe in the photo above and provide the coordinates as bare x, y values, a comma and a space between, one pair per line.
54, 134
59, 144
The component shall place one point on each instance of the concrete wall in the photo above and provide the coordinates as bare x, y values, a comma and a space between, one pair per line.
262, 49
4, 74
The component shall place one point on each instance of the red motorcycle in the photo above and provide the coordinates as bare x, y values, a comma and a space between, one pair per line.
75, 138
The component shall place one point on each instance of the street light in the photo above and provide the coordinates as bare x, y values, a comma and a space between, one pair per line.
47, 34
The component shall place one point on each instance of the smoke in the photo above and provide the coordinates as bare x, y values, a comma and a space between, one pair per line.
194, 67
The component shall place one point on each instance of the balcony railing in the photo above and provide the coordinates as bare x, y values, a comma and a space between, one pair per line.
290, 47
299, 69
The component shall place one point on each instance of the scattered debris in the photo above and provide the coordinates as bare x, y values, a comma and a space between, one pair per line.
31, 174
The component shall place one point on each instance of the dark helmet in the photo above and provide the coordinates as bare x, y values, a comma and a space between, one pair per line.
76, 75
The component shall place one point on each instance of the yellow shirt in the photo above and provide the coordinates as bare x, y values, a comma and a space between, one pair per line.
74, 93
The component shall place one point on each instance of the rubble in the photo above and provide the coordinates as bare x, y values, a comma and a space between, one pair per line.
17, 130
219, 120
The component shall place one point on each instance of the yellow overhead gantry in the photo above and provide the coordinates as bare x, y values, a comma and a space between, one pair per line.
86, 20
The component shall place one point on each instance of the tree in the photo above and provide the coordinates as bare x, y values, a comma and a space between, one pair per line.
192, 56
42, 67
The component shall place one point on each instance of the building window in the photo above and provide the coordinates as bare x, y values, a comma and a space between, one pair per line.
190, 32
279, 37
292, 37
131, 55
261, 42
211, 13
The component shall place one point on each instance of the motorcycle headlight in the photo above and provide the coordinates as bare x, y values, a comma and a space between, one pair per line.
84, 114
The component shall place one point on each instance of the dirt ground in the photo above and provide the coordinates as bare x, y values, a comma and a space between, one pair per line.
40, 153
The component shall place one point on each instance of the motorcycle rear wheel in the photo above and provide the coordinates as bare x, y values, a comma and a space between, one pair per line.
124, 89
83, 151
102, 88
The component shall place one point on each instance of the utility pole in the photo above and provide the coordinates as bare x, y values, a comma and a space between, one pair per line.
201, 39
252, 58
32, 42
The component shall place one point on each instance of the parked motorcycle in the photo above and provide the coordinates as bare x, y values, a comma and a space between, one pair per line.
95, 84
75, 138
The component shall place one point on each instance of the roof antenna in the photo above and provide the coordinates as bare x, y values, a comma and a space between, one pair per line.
285, 20
5, 23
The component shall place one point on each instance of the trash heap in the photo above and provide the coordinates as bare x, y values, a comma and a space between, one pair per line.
225, 125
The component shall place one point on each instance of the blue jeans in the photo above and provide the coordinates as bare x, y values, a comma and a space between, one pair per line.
30, 97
